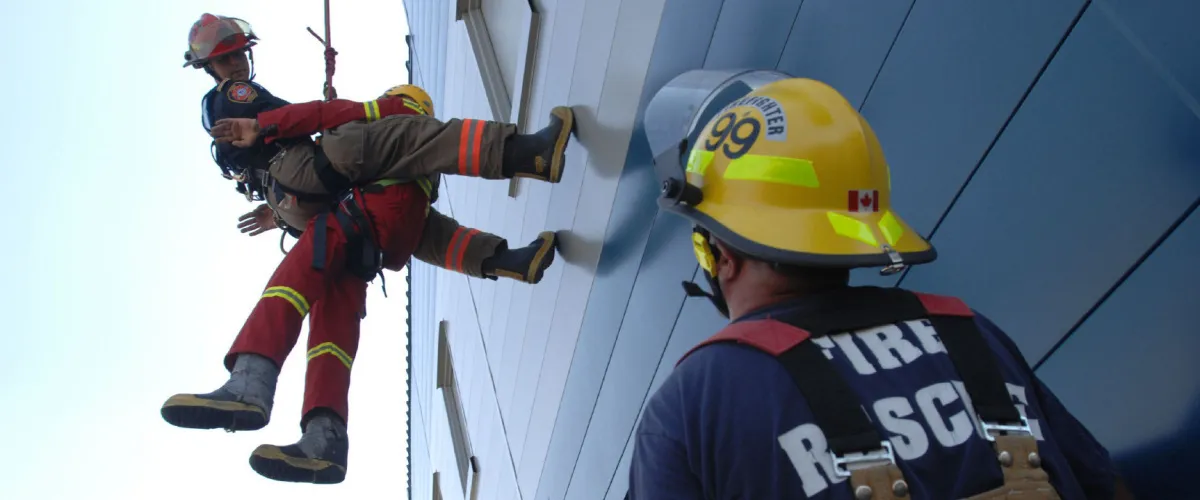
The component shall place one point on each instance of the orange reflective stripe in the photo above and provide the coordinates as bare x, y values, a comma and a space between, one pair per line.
475, 144
450, 248
462, 146
462, 250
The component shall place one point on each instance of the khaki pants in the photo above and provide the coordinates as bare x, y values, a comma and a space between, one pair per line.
446, 244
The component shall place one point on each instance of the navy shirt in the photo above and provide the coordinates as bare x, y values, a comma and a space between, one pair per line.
240, 99
730, 423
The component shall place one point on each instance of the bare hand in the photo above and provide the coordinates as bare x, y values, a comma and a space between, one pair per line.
258, 221
241, 132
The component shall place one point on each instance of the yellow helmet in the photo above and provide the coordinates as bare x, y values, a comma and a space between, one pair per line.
792, 174
415, 94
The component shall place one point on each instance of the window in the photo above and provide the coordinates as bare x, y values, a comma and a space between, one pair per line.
454, 412
504, 37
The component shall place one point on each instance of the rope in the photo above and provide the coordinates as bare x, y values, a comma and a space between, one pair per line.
330, 57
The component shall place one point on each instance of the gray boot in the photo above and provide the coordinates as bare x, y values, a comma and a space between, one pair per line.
242, 404
319, 457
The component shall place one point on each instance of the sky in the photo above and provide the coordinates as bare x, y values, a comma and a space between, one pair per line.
125, 278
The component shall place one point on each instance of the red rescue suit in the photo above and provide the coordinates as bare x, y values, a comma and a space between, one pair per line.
334, 296
307, 118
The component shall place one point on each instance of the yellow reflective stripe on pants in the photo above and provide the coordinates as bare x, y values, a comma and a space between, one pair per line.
292, 296
333, 350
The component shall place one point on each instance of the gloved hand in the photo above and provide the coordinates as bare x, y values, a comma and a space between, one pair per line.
242, 132
258, 221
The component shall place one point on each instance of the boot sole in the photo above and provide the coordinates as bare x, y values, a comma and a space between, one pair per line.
544, 257
567, 115
191, 412
270, 462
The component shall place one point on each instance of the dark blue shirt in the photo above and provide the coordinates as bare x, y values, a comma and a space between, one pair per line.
240, 99
730, 423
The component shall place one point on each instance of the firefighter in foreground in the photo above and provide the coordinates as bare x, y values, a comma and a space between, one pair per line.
394, 137
376, 222
822, 390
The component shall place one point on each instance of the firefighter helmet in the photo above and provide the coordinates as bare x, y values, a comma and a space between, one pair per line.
793, 174
415, 94
213, 36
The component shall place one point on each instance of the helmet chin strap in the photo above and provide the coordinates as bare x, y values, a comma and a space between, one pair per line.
716, 297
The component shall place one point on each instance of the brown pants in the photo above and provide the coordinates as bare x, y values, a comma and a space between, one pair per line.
402, 147
448, 245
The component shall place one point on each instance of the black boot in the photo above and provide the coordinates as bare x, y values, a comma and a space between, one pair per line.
525, 264
540, 155
242, 404
319, 457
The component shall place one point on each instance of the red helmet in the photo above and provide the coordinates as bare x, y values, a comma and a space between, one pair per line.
214, 36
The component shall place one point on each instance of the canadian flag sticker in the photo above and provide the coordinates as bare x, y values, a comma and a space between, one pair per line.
864, 200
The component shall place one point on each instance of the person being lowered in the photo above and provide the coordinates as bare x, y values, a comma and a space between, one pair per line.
371, 216
298, 178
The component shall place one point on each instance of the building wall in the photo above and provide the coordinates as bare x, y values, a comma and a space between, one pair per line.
1049, 148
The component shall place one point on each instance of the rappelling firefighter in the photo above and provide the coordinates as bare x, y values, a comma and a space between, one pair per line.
394, 137
373, 222
818, 389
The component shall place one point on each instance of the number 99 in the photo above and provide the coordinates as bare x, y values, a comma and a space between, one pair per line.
727, 130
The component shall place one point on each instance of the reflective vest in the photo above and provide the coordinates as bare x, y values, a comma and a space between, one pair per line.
858, 451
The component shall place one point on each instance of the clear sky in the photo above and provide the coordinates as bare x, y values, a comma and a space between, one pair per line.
124, 276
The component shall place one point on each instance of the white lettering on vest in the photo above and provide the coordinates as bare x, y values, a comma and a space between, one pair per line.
808, 449
846, 343
924, 332
888, 346
910, 441
949, 432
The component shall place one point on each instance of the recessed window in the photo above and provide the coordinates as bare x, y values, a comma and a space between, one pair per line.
454, 411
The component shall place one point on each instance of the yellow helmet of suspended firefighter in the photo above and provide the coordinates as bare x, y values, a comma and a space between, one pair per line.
416, 95
792, 174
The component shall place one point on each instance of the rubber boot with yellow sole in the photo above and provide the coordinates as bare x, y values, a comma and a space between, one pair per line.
526, 264
319, 457
242, 404
541, 155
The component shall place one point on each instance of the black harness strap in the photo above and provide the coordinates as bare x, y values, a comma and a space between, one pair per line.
331, 179
835, 408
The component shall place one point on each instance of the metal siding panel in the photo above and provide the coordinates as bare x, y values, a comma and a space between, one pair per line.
1130, 373
653, 308
1094, 192
751, 33
952, 79
697, 320
835, 42
551, 205
679, 46
517, 389
1165, 30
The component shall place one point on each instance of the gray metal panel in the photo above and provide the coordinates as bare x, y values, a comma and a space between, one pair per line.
751, 33
1165, 31
835, 42
620, 259
654, 303
697, 321
1130, 372
533, 198
952, 79
1072, 193
556, 213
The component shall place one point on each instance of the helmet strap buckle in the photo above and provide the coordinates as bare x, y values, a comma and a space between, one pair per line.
897, 264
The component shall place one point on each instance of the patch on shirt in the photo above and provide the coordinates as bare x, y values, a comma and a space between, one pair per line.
241, 92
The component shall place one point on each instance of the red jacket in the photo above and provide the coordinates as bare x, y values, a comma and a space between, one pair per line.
304, 119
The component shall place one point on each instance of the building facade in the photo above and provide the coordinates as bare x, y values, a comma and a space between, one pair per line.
1049, 149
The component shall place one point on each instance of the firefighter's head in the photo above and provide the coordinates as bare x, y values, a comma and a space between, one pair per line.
414, 96
221, 46
789, 190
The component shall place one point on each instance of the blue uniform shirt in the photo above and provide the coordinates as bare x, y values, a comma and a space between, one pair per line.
730, 423
240, 99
